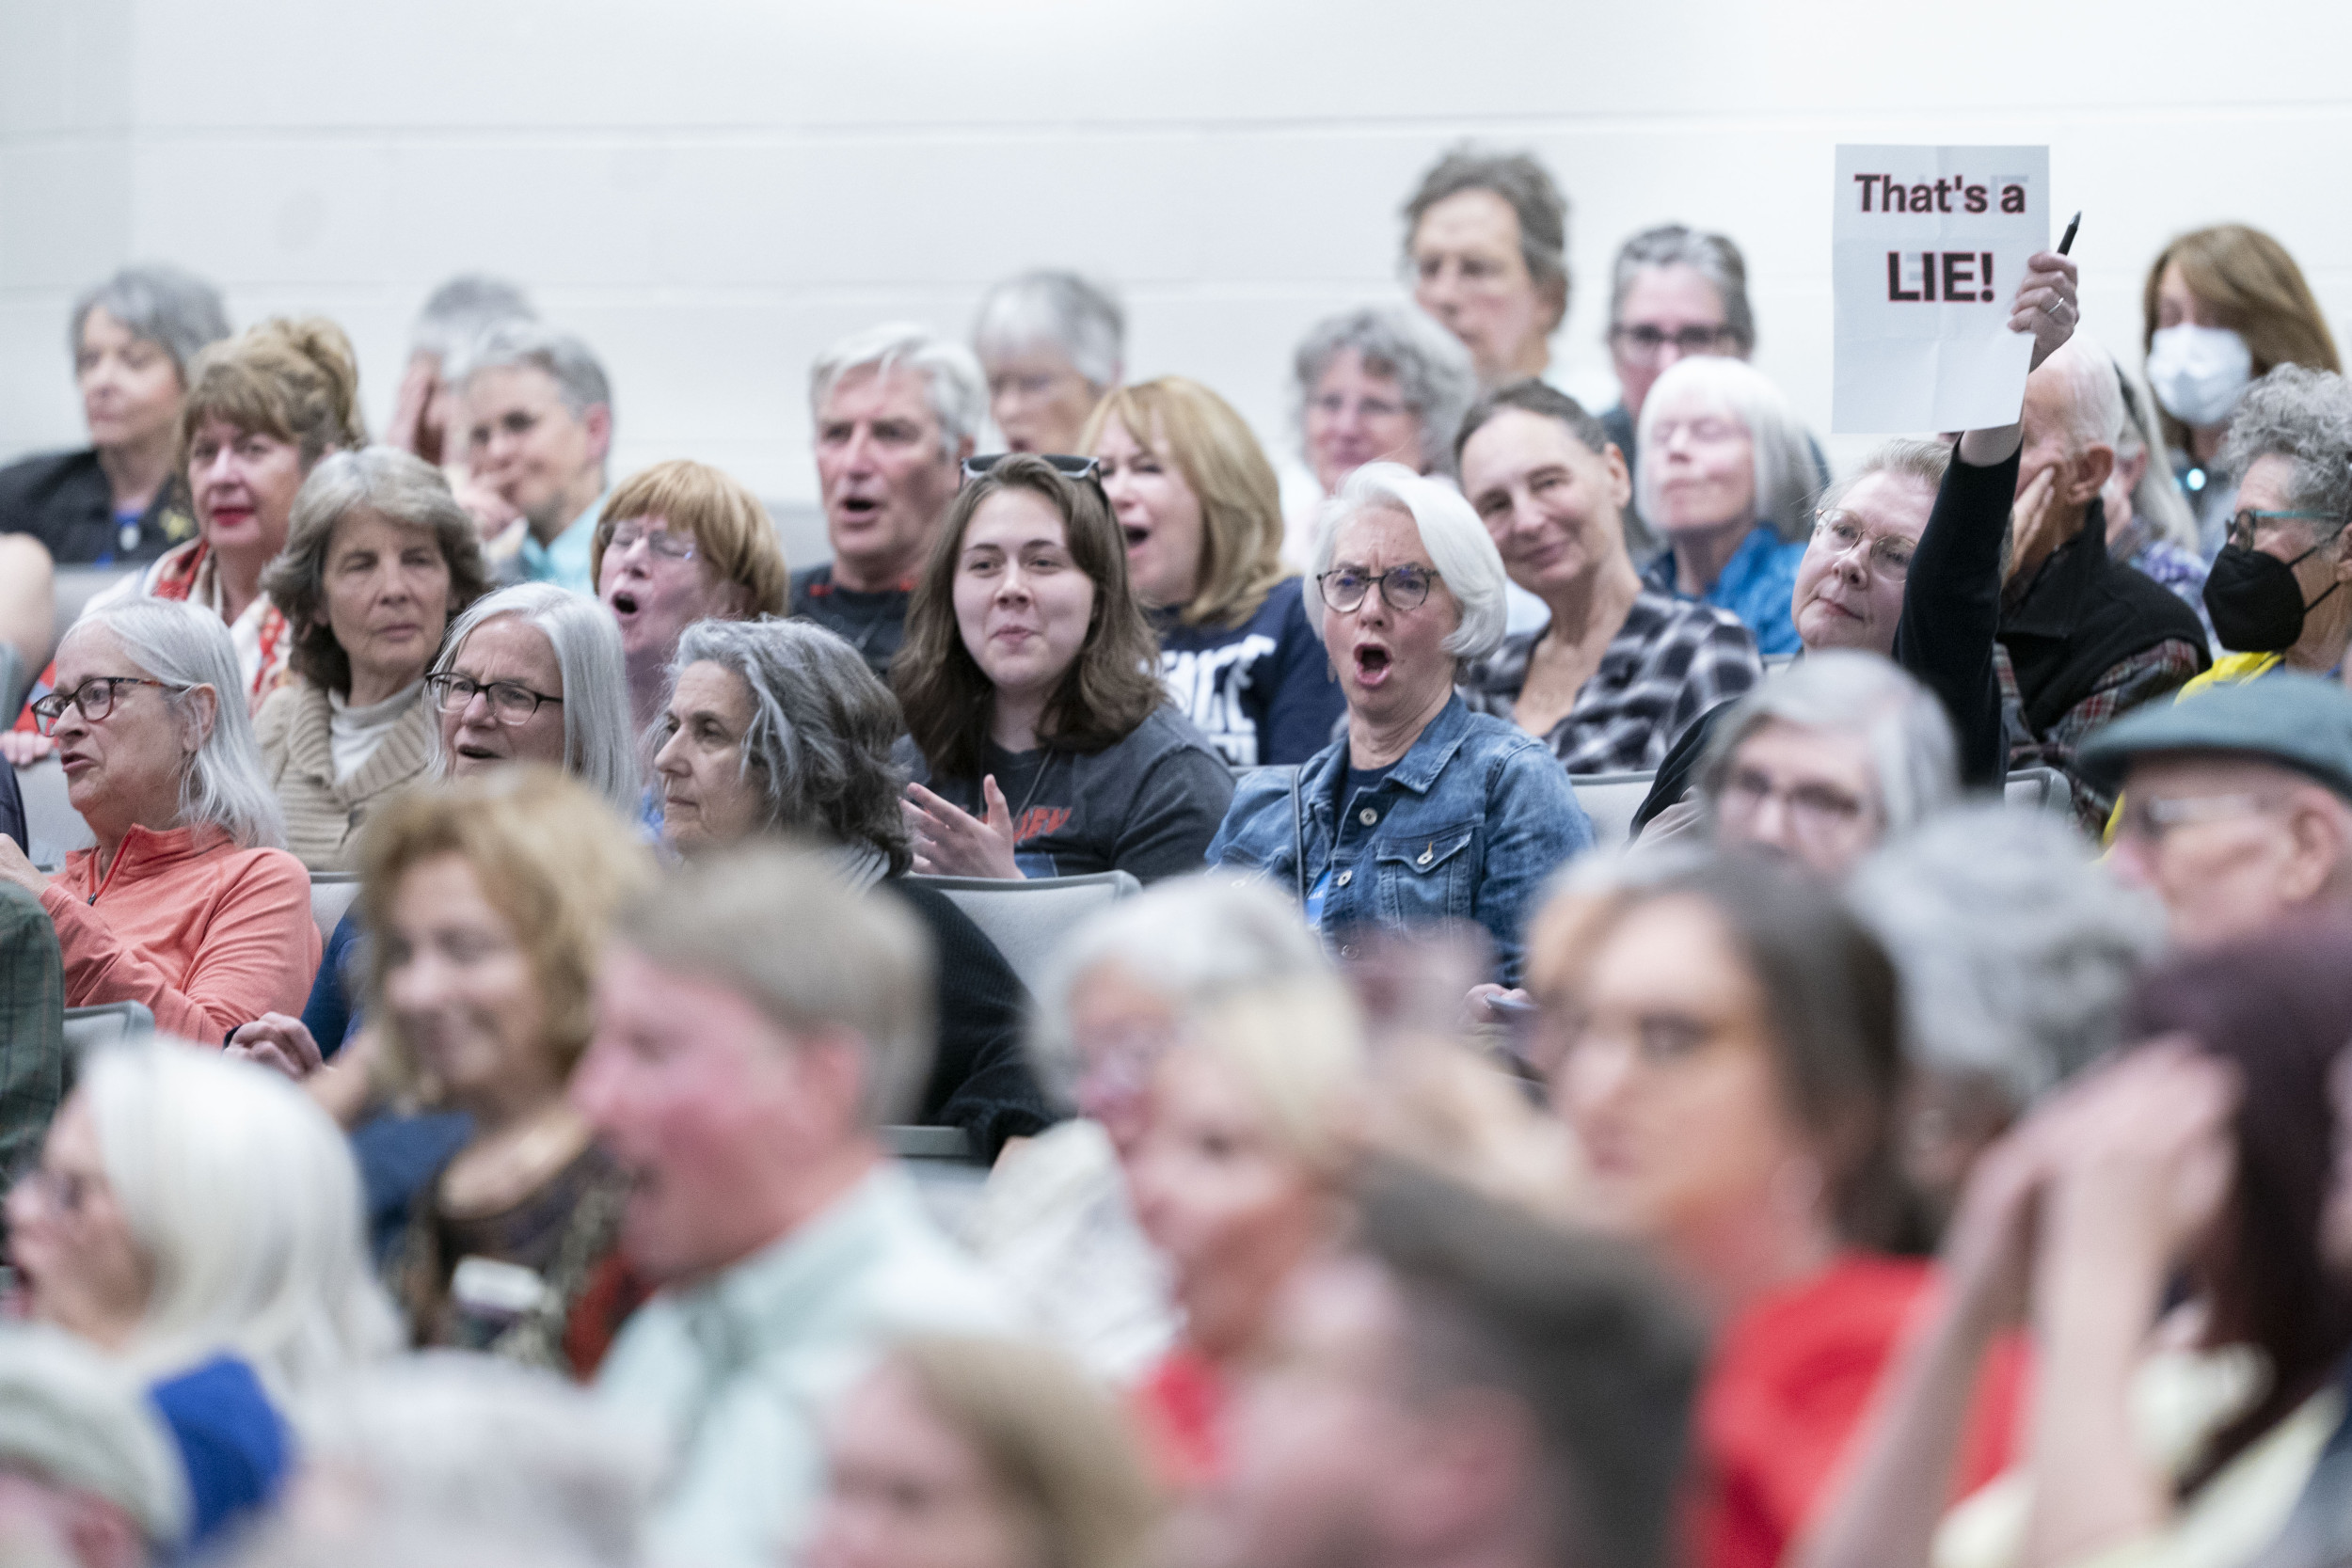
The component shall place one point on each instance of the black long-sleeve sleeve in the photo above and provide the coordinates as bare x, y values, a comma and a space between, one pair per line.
1952, 609
980, 1079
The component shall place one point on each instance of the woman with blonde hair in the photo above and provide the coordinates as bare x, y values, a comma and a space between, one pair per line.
198, 1220
984, 1453
1238, 1180
2221, 309
486, 903
1202, 513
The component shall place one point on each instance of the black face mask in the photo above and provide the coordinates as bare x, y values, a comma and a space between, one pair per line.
2256, 605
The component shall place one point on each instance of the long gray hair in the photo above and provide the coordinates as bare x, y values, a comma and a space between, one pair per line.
223, 784
600, 747
819, 746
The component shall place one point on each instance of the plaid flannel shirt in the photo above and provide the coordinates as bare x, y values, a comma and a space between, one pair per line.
1671, 661
32, 1025
2141, 678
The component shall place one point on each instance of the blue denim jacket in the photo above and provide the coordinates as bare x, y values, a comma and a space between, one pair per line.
1467, 826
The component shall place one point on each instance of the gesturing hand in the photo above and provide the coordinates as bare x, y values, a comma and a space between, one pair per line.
15, 869
24, 747
951, 842
2045, 305
276, 1041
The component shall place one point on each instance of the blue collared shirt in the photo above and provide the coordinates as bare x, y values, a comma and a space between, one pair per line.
563, 563
1757, 583
1469, 825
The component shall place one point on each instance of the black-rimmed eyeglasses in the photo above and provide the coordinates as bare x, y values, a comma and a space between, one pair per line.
1076, 469
1405, 587
510, 701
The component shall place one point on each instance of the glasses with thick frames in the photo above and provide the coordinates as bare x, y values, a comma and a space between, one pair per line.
510, 701
1644, 343
95, 697
1404, 587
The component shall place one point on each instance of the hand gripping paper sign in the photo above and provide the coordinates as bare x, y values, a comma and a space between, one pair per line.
1930, 243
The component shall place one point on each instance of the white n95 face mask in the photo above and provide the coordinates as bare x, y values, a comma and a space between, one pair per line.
2198, 371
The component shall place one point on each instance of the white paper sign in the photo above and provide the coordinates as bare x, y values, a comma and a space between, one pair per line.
1930, 244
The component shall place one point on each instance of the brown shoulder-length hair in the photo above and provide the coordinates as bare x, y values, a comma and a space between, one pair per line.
1110, 689
1832, 1000
1241, 500
2253, 288
2279, 1007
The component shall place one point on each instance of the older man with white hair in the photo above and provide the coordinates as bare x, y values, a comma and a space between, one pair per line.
897, 409
2083, 640
757, 1021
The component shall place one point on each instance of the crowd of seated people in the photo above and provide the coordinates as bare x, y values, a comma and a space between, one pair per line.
1101, 1025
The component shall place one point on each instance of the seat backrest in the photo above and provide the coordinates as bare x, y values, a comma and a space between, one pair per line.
107, 1023
2043, 787
332, 893
1610, 799
52, 827
1027, 920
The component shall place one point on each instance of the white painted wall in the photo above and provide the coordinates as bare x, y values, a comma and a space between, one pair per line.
709, 190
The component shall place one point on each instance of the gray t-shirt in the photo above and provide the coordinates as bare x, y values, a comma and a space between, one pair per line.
1148, 805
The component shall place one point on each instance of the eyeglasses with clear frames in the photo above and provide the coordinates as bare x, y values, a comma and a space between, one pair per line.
1407, 586
95, 697
510, 701
2148, 818
1842, 532
1816, 811
662, 541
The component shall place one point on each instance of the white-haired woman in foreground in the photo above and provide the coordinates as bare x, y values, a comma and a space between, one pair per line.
189, 904
1425, 812
198, 1219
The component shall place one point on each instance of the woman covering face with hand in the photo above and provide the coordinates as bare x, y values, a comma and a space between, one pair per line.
1201, 512
1046, 745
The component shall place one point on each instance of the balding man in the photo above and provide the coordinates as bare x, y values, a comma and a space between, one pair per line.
2237, 804
2083, 640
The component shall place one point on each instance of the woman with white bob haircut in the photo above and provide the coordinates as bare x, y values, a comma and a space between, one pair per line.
1056, 1224
1827, 759
1424, 812
1052, 344
198, 1219
189, 904
1724, 476
535, 673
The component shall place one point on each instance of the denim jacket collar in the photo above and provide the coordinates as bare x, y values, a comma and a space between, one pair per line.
1417, 769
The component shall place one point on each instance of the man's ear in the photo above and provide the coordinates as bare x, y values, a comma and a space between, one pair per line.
2317, 828
2088, 476
833, 1068
598, 423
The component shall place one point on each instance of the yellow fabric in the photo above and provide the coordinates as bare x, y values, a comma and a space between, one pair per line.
2228, 669
2180, 1399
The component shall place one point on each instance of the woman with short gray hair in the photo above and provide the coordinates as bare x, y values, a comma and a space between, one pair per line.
1384, 381
1052, 344
1673, 292
1826, 759
2273, 591
781, 727
1486, 247
2017, 953
378, 556
1423, 811
188, 905
118, 500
